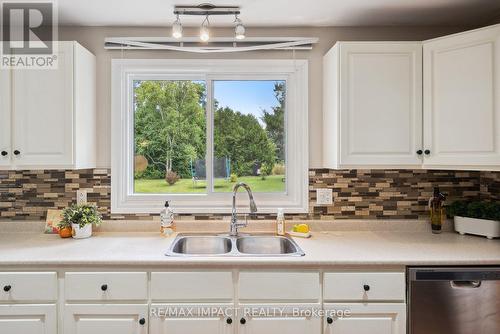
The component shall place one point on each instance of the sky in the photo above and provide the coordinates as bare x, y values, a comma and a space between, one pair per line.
247, 97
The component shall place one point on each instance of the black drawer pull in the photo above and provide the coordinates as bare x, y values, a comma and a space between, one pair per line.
7, 288
4, 153
16, 152
366, 287
329, 320
142, 321
243, 321
229, 321
104, 287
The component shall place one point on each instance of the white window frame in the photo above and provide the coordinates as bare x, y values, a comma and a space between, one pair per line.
124, 71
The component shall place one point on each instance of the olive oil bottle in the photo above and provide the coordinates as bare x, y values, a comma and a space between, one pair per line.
437, 212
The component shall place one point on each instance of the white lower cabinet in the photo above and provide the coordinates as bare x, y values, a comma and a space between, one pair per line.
28, 319
365, 318
191, 319
272, 319
105, 319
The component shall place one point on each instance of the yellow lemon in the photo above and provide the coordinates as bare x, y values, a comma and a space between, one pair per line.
301, 228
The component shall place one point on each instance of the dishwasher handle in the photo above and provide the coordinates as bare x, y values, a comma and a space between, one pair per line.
465, 284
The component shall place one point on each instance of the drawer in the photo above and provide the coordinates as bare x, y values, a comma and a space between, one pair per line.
364, 286
192, 286
28, 286
279, 286
106, 286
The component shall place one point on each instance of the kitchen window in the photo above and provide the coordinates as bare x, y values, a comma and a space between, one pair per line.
187, 130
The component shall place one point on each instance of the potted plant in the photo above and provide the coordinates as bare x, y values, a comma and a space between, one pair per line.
477, 217
81, 218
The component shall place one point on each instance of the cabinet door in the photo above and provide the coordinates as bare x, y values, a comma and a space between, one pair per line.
28, 319
272, 319
462, 99
105, 319
5, 112
190, 319
43, 113
380, 104
365, 319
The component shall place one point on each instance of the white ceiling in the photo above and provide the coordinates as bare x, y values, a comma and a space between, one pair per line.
270, 13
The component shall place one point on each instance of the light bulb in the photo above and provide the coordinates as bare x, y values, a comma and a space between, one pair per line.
177, 29
204, 32
239, 31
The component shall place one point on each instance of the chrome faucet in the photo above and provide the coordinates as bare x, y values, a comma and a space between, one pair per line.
253, 208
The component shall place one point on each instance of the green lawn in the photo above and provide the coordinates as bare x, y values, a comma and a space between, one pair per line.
273, 183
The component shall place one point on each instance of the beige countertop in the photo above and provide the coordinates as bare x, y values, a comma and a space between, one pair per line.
333, 248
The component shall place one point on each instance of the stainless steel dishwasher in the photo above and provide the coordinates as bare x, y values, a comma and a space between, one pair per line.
454, 300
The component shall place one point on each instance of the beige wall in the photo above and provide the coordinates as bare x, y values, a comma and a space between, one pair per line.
93, 39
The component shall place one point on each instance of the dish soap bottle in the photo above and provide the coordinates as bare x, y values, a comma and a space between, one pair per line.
436, 203
280, 222
167, 220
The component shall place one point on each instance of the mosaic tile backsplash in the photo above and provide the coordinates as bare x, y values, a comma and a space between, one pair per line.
358, 194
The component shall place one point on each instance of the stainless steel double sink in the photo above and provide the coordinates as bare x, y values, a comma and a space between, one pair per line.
188, 245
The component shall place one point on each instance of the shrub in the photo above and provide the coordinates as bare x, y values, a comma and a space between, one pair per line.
233, 178
171, 177
278, 169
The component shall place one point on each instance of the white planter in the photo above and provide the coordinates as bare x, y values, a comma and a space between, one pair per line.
487, 228
81, 233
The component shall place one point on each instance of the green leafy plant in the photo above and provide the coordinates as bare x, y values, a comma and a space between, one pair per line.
474, 209
82, 215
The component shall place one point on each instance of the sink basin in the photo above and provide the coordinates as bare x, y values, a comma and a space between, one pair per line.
186, 245
201, 245
267, 245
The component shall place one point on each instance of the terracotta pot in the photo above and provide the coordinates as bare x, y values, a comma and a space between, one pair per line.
66, 232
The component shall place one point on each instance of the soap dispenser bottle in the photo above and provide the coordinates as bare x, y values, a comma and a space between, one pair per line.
280, 222
167, 220
437, 214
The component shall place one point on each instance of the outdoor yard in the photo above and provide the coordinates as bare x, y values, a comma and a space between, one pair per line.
272, 183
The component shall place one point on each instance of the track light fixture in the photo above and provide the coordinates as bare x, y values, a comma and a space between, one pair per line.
177, 28
207, 10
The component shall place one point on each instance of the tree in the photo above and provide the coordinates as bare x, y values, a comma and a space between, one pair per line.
275, 120
241, 138
170, 124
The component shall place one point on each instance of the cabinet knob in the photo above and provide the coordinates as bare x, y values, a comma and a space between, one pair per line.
427, 152
142, 321
104, 287
329, 320
419, 152
229, 321
243, 321
4, 153
366, 287
7, 288
16, 152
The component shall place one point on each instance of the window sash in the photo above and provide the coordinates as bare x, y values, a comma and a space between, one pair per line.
124, 72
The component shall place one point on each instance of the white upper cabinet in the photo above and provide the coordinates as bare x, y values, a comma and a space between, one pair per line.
5, 140
462, 100
383, 109
373, 104
52, 113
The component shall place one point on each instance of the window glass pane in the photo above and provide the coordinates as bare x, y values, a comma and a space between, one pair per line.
169, 136
249, 134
